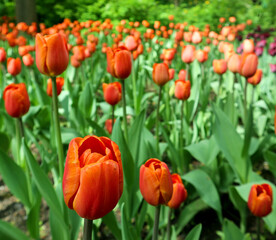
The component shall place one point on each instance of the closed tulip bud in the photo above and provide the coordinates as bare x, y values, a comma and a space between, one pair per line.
248, 46
14, 66
16, 99
219, 66
260, 200
112, 93
201, 56
188, 54
108, 125
93, 176
182, 89
52, 55
196, 38
160, 73
155, 182
171, 73
234, 63
28, 60
249, 64
59, 82
182, 74
256, 78
179, 192
119, 62
3, 55
131, 43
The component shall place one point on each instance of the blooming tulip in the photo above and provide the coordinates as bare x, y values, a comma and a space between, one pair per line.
131, 43
14, 66
119, 62
155, 182
59, 81
182, 89
256, 78
260, 200
188, 53
160, 73
219, 66
179, 192
93, 176
249, 64
16, 99
234, 63
112, 93
3, 55
52, 55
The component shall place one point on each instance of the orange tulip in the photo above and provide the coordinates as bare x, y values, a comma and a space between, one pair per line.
182, 89
112, 92
16, 99
119, 62
219, 66
28, 60
201, 56
14, 66
182, 74
234, 63
196, 38
188, 54
171, 73
256, 78
248, 46
131, 43
260, 200
60, 83
155, 182
93, 176
179, 192
52, 55
249, 64
3, 55
160, 73
75, 62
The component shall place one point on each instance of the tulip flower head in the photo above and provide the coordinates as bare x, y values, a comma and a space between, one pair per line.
28, 60
93, 176
249, 64
160, 73
52, 55
219, 66
16, 99
179, 192
155, 182
14, 66
182, 74
60, 83
112, 93
182, 89
188, 54
3, 55
234, 63
256, 78
260, 200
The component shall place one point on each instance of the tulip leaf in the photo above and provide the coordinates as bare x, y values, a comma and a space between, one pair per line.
75, 222
97, 130
201, 181
270, 220
231, 231
18, 185
33, 219
111, 222
67, 134
86, 100
270, 158
45, 188
9, 232
5, 142
125, 227
194, 234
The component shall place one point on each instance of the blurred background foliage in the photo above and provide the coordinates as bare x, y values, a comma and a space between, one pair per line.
198, 12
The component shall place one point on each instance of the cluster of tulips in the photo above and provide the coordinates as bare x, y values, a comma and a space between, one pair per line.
100, 172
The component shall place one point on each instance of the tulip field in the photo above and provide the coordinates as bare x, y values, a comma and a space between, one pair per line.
137, 130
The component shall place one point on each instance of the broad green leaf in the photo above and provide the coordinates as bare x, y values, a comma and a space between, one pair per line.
86, 100
194, 234
125, 227
33, 219
9, 232
111, 222
18, 185
5, 142
75, 222
58, 231
205, 188
231, 231
270, 157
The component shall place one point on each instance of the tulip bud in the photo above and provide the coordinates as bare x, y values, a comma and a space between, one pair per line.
256, 78
188, 53
131, 43
234, 63
108, 125
249, 64
3, 55
160, 73
97, 161
16, 99
119, 62
219, 66
260, 200
201, 56
112, 93
179, 192
155, 182
14, 66
59, 82
28, 60
52, 55
182, 89
171, 73
182, 74
196, 38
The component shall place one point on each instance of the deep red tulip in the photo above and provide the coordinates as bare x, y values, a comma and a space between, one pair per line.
16, 99
52, 55
155, 182
160, 73
14, 66
260, 200
60, 83
93, 176
182, 89
112, 92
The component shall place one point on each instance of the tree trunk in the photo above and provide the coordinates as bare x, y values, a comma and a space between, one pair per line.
25, 11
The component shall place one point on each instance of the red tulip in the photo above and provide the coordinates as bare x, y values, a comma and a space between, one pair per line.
155, 182
171, 73
188, 54
119, 62
256, 78
182, 89
201, 56
112, 93
160, 73
16, 99
93, 176
52, 55
260, 200
108, 125
219, 66
249, 64
14, 66
179, 192
182, 74
131, 43
3, 55
28, 60
59, 82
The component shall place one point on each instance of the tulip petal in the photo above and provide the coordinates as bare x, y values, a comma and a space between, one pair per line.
93, 143
166, 185
122, 66
40, 54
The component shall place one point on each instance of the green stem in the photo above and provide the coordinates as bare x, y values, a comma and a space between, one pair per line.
219, 87
156, 223
181, 134
87, 230
57, 126
134, 87
258, 228
157, 119
3, 70
124, 109
169, 224
202, 74
245, 101
18, 139
113, 116
187, 72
